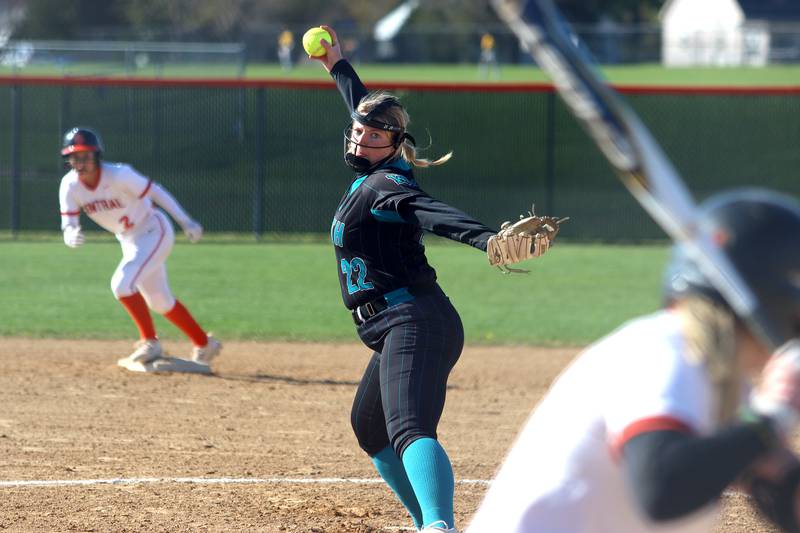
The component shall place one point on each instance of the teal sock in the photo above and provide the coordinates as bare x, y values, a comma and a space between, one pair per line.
431, 475
394, 474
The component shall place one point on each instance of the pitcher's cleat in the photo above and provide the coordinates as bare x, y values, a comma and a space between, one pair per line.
167, 365
204, 354
439, 527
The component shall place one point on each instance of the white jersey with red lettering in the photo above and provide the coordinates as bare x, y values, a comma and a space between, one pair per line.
122, 202
562, 474
119, 203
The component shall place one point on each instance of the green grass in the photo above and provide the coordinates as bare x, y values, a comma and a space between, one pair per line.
638, 74
277, 290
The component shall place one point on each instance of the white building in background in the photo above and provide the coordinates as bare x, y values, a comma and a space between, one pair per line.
722, 32
709, 32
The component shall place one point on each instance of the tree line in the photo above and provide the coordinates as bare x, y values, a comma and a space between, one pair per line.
233, 20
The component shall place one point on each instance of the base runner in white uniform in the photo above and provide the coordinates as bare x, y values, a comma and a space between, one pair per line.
646, 429
120, 200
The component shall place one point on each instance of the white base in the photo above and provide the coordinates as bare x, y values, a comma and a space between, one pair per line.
165, 365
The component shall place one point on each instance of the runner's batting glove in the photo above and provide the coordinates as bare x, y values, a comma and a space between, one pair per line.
193, 231
777, 396
73, 236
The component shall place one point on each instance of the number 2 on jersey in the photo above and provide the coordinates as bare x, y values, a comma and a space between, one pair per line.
358, 269
126, 223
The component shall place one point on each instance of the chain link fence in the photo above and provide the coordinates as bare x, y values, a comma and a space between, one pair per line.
262, 157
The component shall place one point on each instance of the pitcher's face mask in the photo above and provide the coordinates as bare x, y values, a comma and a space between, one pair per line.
363, 165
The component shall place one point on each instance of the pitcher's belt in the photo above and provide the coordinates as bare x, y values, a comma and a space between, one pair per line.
364, 312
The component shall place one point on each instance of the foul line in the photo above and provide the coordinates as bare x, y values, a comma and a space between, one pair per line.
240, 481
207, 481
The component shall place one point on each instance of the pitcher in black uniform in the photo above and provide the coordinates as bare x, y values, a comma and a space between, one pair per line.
400, 311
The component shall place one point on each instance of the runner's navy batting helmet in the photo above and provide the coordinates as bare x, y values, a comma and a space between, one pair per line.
81, 140
759, 231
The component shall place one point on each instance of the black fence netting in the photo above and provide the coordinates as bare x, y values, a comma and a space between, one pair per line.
262, 158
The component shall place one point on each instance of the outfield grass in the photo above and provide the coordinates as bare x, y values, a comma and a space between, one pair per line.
637, 74
277, 290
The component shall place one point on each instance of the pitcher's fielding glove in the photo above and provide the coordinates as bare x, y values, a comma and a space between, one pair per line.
526, 238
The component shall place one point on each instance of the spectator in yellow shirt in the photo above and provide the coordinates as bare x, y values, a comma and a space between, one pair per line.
285, 47
488, 66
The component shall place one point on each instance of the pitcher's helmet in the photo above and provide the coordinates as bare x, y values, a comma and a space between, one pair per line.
81, 140
759, 231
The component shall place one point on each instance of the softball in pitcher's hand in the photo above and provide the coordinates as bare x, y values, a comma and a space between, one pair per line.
524, 239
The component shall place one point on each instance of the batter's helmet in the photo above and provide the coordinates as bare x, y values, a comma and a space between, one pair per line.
759, 230
81, 140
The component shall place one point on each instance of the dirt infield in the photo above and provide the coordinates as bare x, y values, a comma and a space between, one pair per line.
265, 445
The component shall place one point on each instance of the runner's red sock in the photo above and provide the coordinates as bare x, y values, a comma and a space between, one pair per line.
183, 320
137, 308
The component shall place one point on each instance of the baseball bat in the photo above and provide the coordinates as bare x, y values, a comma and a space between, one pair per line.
630, 149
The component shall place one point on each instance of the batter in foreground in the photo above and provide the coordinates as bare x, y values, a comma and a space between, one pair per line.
645, 430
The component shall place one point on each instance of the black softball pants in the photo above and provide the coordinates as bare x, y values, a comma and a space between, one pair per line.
402, 393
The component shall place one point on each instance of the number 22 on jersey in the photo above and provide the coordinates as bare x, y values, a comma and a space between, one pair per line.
355, 271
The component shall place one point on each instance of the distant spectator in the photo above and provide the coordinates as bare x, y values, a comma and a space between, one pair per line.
285, 47
609, 32
487, 65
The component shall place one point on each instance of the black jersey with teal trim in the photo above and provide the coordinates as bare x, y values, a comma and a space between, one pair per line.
377, 233
377, 229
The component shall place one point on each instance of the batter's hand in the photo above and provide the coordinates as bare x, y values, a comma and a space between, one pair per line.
193, 231
773, 483
777, 395
73, 236
333, 52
